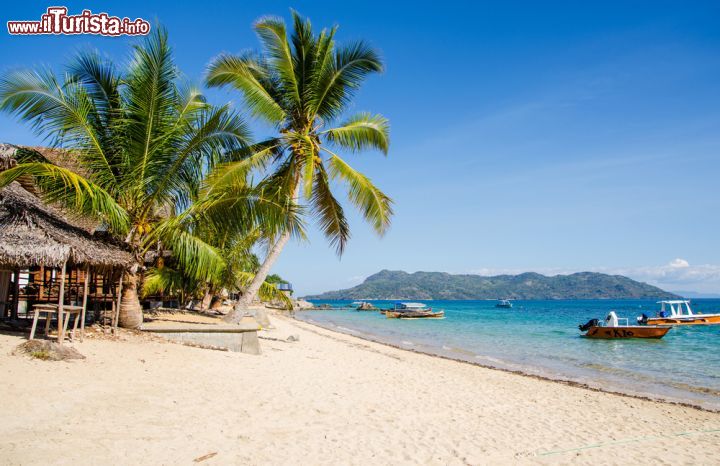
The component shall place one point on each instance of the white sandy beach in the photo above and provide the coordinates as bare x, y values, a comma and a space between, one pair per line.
326, 399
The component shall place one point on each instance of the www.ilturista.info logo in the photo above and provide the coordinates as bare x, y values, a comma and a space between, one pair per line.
57, 21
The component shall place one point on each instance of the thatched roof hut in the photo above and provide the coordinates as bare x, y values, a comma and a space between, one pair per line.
33, 234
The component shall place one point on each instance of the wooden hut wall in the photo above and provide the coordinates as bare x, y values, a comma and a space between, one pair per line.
42, 285
5, 293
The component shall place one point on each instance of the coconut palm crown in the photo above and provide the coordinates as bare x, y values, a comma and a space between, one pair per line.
302, 85
143, 141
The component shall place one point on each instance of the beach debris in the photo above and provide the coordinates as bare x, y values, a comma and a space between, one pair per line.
47, 351
204, 457
293, 338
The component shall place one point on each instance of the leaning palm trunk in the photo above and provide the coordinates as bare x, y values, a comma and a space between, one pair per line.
303, 85
131, 315
252, 290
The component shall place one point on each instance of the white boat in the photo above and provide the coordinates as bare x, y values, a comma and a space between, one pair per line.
504, 303
410, 307
679, 312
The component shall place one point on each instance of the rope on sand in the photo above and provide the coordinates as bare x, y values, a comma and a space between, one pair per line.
632, 440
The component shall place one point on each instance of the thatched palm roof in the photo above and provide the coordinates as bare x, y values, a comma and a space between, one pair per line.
33, 233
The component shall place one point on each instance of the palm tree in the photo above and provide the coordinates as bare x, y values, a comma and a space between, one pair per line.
146, 142
240, 265
302, 86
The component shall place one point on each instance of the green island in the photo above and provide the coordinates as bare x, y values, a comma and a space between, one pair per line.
395, 284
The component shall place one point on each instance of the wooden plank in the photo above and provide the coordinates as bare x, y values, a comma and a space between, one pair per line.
207, 329
41, 289
61, 303
84, 302
16, 296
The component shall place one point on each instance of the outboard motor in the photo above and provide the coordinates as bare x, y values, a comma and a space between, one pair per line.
643, 319
590, 323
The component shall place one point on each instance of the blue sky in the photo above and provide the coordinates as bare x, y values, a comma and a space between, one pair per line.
525, 135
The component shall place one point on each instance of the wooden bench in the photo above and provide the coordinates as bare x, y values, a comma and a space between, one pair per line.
49, 310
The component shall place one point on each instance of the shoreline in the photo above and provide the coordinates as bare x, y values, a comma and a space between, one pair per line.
323, 397
565, 382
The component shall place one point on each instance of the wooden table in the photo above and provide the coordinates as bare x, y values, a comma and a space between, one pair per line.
49, 310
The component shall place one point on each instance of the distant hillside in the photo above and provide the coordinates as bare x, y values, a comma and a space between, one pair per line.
389, 284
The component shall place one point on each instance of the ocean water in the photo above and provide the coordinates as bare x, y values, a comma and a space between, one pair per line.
542, 338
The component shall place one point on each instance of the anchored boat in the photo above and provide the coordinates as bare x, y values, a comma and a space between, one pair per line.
504, 303
611, 328
678, 312
413, 311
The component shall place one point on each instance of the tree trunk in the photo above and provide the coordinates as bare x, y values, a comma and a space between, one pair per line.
250, 293
131, 315
206, 301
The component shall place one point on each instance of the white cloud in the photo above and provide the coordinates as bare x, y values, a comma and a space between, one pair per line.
679, 264
679, 274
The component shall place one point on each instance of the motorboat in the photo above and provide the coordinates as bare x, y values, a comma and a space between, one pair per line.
678, 312
615, 327
504, 303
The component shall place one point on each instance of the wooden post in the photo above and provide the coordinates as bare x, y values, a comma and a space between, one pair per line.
41, 290
116, 317
61, 303
84, 302
16, 296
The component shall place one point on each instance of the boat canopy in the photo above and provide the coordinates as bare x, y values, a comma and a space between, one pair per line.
678, 307
400, 305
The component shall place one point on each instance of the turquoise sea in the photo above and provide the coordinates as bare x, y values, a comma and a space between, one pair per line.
542, 338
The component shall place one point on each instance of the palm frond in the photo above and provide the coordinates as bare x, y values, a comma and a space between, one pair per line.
241, 209
272, 34
375, 206
329, 212
59, 111
248, 75
268, 291
151, 100
360, 132
236, 173
304, 54
213, 134
166, 280
73, 191
197, 258
338, 81
102, 82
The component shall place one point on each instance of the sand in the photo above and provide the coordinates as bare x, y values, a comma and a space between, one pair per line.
325, 399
